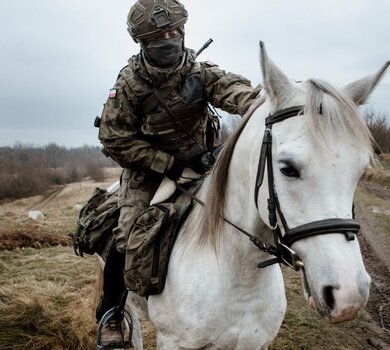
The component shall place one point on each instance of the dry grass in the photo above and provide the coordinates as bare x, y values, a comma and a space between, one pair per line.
46, 300
47, 295
381, 173
380, 176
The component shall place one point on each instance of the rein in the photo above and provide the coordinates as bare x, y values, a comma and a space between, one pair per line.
256, 241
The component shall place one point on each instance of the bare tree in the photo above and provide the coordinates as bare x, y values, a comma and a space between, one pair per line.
380, 129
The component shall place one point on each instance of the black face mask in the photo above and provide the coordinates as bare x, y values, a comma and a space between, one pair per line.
165, 53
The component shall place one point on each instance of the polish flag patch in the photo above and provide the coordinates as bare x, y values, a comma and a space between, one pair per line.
112, 93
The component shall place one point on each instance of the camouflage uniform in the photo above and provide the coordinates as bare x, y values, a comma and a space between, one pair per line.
143, 143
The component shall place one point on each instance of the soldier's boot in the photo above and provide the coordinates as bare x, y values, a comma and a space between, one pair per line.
112, 335
115, 330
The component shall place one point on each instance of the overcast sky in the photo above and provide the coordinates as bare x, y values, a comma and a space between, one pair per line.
59, 58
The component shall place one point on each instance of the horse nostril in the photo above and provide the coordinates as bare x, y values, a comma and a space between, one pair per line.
329, 297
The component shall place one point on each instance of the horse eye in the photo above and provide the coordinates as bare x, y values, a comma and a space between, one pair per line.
289, 171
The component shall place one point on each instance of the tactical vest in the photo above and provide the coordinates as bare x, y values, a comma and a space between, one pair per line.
187, 101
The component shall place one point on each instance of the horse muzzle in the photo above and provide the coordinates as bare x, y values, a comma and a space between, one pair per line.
338, 302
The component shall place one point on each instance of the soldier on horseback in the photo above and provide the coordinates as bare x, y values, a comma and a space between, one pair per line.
157, 122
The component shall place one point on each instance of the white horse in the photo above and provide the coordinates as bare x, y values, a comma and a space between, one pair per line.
215, 296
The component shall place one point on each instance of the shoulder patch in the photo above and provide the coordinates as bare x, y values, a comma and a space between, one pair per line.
211, 64
112, 93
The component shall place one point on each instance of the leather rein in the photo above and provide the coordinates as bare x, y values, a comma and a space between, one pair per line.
283, 252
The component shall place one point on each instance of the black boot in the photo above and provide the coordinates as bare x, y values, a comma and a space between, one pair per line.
113, 284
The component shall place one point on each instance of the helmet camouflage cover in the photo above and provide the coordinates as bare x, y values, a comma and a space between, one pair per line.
148, 17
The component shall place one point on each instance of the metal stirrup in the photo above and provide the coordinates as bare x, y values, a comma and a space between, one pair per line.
126, 343
116, 311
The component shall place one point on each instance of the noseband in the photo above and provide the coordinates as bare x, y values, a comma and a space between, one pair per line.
282, 250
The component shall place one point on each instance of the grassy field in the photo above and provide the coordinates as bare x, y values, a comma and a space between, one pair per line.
47, 294
46, 299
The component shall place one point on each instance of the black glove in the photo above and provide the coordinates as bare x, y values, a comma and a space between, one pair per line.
196, 164
176, 170
208, 161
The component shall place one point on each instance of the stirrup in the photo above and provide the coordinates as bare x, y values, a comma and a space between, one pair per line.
128, 330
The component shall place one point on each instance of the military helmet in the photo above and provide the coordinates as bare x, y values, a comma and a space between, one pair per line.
148, 17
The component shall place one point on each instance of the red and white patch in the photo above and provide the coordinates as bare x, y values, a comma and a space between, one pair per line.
112, 93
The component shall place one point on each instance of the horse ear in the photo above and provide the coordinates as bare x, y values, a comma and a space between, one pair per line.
361, 89
277, 85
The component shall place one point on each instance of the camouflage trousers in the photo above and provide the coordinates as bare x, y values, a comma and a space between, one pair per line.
136, 191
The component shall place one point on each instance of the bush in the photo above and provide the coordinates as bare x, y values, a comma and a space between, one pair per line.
95, 171
28, 177
380, 130
26, 170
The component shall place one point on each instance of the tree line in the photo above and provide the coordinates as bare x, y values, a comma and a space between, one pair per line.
27, 170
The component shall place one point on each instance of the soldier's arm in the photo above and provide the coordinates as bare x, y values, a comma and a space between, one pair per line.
121, 138
228, 91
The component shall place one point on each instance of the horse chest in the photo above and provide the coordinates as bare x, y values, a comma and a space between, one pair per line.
224, 315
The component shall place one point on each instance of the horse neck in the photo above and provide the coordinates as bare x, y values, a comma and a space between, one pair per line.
240, 203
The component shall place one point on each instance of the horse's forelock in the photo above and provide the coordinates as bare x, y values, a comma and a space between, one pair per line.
330, 112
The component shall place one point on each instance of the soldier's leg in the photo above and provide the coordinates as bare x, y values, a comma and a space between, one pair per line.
133, 198
112, 331
114, 286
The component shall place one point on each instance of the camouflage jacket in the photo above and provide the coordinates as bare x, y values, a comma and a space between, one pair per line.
146, 139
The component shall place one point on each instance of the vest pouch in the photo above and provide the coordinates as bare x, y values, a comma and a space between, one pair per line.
149, 246
96, 221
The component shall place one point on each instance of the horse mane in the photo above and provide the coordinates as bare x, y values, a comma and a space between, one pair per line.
215, 201
328, 112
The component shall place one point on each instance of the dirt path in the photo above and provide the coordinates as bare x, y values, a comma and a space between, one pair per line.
379, 302
374, 245
377, 189
373, 213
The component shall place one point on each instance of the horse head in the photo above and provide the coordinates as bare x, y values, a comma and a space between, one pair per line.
318, 155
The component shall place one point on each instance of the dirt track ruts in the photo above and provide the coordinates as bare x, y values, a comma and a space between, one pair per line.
379, 302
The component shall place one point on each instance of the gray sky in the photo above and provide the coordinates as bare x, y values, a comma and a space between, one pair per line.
59, 58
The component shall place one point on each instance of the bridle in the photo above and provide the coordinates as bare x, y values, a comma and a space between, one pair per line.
282, 243
282, 249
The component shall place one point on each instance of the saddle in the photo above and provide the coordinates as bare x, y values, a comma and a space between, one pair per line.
154, 233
